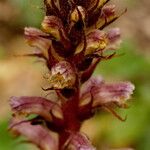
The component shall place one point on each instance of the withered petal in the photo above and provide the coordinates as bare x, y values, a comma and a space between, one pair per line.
33, 105
78, 141
35, 134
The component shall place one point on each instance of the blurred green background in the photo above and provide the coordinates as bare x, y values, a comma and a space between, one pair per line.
17, 74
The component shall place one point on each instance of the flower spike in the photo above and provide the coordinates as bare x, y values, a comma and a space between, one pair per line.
72, 43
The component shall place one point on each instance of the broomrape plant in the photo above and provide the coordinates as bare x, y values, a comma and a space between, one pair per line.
72, 42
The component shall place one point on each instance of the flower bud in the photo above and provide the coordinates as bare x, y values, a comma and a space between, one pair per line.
117, 93
62, 75
75, 15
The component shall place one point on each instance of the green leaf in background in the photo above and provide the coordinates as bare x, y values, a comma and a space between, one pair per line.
7, 142
30, 12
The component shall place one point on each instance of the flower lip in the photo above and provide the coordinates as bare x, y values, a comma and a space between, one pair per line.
117, 93
33, 105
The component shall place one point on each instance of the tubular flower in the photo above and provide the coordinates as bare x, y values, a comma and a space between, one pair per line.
71, 41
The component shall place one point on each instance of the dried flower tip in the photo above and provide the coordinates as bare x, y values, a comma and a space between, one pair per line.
106, 94
78, 14
62, 75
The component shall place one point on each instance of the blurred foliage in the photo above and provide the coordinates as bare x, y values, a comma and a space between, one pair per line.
133, 65
30, 11
6, 141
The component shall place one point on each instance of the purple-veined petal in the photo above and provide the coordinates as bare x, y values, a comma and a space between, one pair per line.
34, 105
37, 38
116, 93
35, 134
105, 93
78, 141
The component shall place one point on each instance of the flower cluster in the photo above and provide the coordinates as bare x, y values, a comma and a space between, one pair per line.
72, 42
